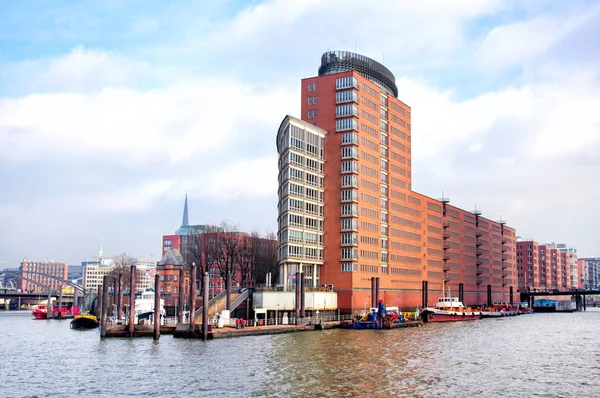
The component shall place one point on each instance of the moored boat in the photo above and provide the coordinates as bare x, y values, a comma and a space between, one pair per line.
500, 309
84, 321
41, 312
449, 309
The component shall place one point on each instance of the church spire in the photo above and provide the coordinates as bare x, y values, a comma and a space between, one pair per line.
185, 221
100, 252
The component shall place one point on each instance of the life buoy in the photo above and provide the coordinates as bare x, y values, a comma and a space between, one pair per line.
260, 322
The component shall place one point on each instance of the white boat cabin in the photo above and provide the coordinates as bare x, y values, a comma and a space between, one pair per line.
449, 302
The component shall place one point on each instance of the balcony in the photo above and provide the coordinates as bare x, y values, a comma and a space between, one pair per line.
504, 249
478, 242
504, 240
478, 252
504, 265
478, 262
504, 257
446, 234
446, 224
446, 256
480, 281
505, 274
447, 267
479, 271
447, 245
478, 233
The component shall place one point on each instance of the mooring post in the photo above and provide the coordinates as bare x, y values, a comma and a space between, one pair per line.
376, 291
205, 307
181, 297
120, 297
156, 307
584, 304
297, 306
105, 300
373, 299
60, 300
302, 294
98, 309
192, 296
49, 307
131, 314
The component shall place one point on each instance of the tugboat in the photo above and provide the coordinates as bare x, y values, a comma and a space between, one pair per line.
449, 309
500, 309
41, 312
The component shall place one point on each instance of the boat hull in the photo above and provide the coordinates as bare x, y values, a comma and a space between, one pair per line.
84, 323
40, 314
430, 316
498, 314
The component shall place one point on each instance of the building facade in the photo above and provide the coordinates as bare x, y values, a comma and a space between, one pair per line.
169, 271
40, 283
375, 225
592, 278
301, 198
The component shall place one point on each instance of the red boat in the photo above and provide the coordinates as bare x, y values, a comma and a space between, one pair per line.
41, 312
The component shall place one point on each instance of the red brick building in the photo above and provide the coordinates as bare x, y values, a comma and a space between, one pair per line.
32, 269
375, 225
169, 269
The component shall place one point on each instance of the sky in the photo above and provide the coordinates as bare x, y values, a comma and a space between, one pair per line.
110, 112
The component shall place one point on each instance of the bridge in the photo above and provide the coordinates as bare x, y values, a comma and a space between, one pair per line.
577, 294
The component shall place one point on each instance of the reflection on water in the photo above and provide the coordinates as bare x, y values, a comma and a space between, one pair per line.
548, 355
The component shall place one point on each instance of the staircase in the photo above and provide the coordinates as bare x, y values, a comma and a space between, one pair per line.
219, 303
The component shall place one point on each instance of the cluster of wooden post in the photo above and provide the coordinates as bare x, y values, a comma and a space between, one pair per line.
104, 301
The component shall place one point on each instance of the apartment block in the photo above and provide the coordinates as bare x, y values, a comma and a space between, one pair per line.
38, 276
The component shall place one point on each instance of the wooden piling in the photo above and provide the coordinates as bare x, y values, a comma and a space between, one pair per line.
156, 307
302, 294
373, 298
205, 307
131, 323
297, 300
120, 297
181, 297
49, 307
105, 300
192, 296
98, 309
60, 300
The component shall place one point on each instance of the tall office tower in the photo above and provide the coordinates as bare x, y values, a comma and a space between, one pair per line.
374, 224
301, 196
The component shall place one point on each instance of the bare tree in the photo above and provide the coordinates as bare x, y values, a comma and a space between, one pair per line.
228, 245
122, 265
201, 249
265, 259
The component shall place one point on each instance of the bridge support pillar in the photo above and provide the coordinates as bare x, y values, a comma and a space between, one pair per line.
584, 303
105, 303
302, 295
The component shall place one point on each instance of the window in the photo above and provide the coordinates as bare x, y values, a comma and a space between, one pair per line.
175, 289
350, 181
349, 224
312, 114
349, 152
349, 210
346, 82
349, 138
349, 254
314, 87
349, 267
346, 96
349, 167
309, 86
349, 195
162, 277
314, 100
310, 100
346, 124
346, 110
175, 277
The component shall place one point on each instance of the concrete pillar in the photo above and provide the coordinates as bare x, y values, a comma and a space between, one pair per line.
181, 297
461, 292
105, 304
192, 295
283, 273
205, 307
120, 297
314, 276
131, 323
75, 294
489, 295
510, 295
376, 291
302, 295
156, 307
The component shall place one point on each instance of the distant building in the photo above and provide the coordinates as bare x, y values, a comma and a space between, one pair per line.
76, 273
145, 271
591, 266
169, 268
32, 281
574, 274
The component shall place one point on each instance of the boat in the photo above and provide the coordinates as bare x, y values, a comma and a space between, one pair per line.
449, 309
377, 318
500, 308
144, 307
41, 312
84, 321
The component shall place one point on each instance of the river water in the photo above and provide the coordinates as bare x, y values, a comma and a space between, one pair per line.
541, 355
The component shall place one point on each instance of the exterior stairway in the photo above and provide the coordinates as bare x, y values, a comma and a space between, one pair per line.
218, 303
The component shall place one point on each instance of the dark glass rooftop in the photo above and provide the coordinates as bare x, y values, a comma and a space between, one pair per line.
343, 61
